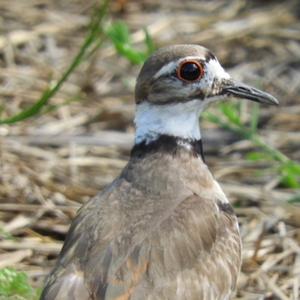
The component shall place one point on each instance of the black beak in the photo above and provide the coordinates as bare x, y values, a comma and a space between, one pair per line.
241, 90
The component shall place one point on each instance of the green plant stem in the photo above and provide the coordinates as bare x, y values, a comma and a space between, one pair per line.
276, 154
95, 34
254, 138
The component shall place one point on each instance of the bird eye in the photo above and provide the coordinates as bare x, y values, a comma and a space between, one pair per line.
190, 71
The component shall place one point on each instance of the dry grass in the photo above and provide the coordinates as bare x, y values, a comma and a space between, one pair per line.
49, 165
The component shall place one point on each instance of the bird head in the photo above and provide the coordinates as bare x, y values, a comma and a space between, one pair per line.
176, 83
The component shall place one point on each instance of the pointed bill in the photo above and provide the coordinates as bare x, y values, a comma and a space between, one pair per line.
241, 90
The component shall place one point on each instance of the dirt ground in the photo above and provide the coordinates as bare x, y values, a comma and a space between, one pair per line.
52, 163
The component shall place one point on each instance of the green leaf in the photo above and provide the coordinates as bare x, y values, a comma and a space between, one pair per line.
130, 54
290, 172
291, 167
212, 117
231, 112
14, 283
257, 156
119, 34
290, 181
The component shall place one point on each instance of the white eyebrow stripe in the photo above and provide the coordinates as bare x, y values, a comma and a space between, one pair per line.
166, 69
171, 66
216, 70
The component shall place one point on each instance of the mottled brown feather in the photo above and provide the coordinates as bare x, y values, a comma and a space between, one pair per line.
156, 232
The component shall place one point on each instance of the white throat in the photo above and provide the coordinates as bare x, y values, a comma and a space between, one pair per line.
179, 120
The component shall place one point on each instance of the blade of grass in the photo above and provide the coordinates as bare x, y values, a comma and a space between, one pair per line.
288, 169
231, 112
257, 156
95, 34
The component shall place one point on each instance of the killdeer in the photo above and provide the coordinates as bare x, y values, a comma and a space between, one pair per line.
163, 229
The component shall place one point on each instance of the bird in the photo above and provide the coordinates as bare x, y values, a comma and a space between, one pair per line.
163, 229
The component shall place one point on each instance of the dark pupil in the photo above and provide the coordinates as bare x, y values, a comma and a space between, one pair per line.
190, 71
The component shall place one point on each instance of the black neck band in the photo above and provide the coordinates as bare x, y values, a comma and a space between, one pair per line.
168, 144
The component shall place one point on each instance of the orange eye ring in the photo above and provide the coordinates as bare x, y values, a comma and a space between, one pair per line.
190, 71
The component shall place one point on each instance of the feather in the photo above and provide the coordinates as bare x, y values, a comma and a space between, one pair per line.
151, 235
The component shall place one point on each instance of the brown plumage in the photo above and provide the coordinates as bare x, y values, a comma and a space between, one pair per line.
163, 229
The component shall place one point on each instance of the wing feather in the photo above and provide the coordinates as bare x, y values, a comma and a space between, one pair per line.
151, 246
